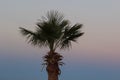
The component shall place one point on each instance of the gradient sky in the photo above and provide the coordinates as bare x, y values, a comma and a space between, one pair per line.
96, 57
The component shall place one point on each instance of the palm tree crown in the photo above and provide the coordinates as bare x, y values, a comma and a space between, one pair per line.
53, 32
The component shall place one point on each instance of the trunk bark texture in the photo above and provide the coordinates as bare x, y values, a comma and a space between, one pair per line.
52, 68
53, 71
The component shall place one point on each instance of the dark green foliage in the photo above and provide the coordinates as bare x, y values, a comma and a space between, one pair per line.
53, 31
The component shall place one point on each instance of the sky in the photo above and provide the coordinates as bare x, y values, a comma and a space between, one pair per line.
96, 55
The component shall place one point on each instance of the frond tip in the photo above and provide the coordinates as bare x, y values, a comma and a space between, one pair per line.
25, 32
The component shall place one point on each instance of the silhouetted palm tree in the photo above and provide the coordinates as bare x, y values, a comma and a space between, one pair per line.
53, 32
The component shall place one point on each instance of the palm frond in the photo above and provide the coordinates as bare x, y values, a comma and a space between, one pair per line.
26, 32
74, 29
33, 37
54, 17
71, 34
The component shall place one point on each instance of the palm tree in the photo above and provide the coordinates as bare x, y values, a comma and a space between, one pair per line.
53, 31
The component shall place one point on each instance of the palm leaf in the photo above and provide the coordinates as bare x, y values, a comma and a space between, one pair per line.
71, 34
33, 37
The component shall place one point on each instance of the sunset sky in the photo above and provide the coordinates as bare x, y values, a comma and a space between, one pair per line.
96, 55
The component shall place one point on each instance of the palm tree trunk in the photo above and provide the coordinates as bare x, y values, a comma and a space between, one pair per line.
53, 71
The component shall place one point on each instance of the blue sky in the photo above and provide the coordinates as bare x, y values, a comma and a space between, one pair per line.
96, 57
